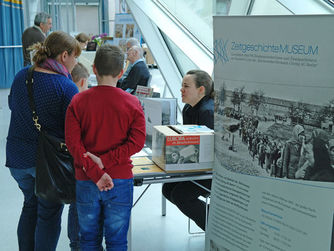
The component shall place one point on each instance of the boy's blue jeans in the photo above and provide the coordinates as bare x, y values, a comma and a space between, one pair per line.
39, 224
113, 208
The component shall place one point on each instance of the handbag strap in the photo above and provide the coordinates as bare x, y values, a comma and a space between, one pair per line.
29, 83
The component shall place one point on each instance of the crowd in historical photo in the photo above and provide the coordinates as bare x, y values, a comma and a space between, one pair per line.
273, 142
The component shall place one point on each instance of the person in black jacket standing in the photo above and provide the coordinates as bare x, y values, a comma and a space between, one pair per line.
197, 92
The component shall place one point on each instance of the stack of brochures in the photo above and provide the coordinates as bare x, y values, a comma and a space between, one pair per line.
190, 129
144, 91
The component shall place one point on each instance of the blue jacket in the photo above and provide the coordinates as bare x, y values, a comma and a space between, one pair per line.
52, 94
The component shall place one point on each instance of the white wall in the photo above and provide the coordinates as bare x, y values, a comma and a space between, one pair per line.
87, 19
30, 9
112, 11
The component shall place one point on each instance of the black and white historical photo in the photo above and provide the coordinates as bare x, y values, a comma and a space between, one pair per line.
215, 247
260, 135
182, 154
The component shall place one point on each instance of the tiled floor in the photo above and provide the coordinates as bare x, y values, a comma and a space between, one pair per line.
150, 230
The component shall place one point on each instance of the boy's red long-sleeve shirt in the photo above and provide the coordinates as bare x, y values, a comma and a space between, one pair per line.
109, 123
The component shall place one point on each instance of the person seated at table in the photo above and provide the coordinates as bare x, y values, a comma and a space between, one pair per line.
132, 41
83, 39
197, 93
139, 74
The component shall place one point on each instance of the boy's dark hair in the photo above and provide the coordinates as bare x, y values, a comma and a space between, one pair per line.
79, 71
109, 60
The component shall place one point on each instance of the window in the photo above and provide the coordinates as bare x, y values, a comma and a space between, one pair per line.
330, 2
195, 15
182, 61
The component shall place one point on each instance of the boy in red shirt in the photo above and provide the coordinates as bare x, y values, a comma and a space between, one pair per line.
104, 126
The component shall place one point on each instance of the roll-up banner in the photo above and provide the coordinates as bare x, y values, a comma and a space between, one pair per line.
274, 150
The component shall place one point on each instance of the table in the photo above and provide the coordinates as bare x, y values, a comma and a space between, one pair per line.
146, 173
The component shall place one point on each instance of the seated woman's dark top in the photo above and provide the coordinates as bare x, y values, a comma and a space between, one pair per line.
185, 194
200, 114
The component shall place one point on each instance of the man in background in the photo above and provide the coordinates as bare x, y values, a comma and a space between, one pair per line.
35, 34
129, 43
138, 74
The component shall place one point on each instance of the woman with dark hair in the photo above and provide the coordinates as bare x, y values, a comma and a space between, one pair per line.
197, 92
40, 220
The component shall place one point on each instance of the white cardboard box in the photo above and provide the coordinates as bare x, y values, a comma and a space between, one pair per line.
175, 152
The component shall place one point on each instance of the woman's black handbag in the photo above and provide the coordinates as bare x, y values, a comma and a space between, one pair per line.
55, 179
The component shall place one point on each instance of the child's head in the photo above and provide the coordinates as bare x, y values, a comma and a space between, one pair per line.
80, 75
109, 61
